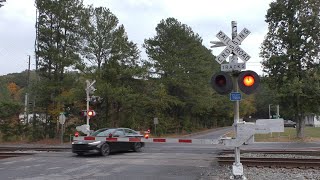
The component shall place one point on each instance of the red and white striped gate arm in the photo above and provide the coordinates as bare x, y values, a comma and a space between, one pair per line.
149, 140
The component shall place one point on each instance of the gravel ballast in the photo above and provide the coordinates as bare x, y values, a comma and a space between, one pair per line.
223, 172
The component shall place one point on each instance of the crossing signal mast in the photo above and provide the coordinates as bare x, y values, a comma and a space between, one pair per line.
231, 78
89, 113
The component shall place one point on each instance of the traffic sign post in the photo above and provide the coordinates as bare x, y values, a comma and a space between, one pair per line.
62, 120
155, 122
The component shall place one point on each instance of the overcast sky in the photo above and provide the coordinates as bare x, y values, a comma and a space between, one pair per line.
140, 17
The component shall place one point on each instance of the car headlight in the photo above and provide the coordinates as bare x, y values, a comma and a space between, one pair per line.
94, 143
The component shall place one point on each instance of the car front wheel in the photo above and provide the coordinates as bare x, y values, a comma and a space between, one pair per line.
105, 150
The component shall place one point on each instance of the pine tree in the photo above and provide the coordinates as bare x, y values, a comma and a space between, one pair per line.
184, 67
57, 51
2, 1
100, 27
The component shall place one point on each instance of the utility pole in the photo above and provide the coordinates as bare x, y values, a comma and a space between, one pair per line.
26, 98
270, 117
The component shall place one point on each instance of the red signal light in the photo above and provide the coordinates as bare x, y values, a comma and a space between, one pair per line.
146, 136
76, 134
91, 113
248, 80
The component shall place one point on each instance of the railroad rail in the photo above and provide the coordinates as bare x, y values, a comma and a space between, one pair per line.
4, 155
310, 152
302, 163
18, 148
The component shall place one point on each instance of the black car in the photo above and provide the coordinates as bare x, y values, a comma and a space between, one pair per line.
104, 148
289, 123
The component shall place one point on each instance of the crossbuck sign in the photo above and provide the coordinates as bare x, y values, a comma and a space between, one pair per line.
233, 46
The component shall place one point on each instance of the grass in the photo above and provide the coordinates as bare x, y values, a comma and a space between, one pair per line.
312, 134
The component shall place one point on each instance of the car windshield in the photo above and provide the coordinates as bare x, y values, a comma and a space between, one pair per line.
102, 132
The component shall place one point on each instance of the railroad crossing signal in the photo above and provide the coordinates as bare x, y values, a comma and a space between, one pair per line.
90, 113
248, 81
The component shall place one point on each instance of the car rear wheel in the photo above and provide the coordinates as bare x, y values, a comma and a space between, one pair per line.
137, 147
105, 150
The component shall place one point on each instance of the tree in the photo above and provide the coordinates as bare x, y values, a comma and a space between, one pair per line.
57, 50
9, 121
122, 82
58, 36
290, 55
265, 96
183, 67
99, 30
13, 90
2, 1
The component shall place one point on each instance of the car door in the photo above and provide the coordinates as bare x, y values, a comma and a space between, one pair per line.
120, 146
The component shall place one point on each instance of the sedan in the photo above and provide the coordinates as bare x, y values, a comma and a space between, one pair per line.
289, 123
104, 148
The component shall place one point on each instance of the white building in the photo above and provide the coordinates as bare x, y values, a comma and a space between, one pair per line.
312, 120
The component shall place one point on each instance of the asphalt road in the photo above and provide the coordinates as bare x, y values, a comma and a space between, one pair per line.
156, 162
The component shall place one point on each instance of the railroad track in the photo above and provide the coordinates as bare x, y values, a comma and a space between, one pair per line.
4, 155
310, 152
273, 162
15, 151
17, 148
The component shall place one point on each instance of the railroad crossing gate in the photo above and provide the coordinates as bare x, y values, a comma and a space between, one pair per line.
245, 131
148, 140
